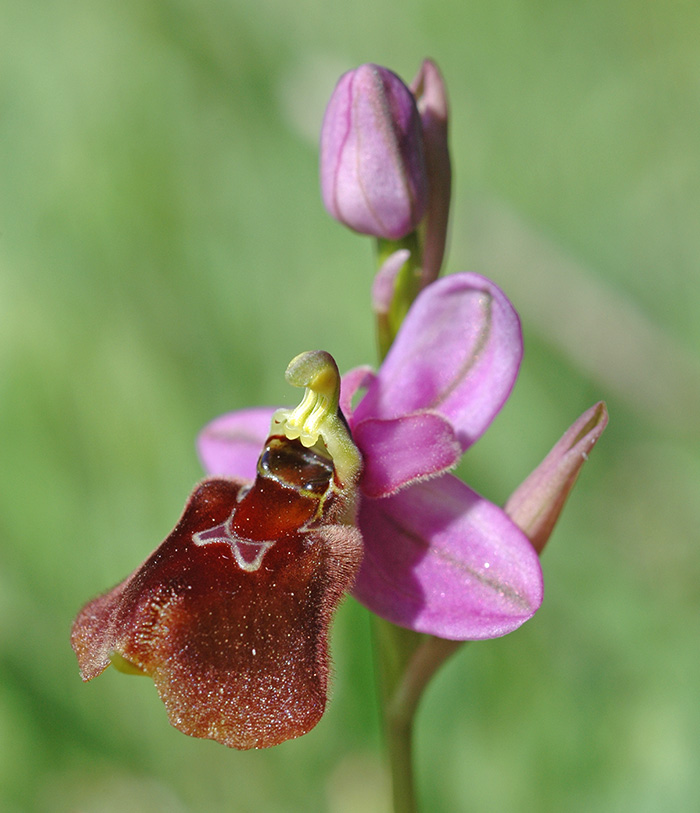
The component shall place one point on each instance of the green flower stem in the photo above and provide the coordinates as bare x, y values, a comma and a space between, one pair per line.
406, 287
406, 662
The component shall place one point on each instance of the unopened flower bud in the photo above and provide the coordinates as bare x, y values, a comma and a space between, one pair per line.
537, 502
430, 94
373, 176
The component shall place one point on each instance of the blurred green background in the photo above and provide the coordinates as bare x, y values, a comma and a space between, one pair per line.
164, 253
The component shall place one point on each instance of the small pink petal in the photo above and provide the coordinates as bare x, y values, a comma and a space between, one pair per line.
457, 354
356, 379
404, 450
440, 559
230, 445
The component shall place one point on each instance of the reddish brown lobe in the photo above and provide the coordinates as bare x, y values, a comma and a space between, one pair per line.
237, 656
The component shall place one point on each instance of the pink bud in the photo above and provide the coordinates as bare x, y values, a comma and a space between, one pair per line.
537, 502
373, 176
430, 93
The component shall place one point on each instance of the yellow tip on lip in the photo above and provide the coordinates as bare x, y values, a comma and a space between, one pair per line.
121, 664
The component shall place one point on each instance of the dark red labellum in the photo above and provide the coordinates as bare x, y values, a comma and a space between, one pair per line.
230, 615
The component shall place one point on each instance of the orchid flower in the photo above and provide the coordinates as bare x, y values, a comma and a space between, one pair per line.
438, 558
350, 491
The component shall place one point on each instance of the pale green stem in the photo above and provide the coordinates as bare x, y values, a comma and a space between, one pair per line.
406, 662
